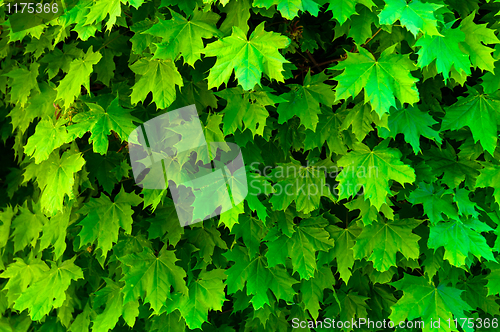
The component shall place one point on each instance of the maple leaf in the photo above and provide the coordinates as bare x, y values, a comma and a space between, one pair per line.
22, 82
360, 118
158, 77
461, 237
434, 203
21, 274
308, 238
363, 160
491, 80
455, 169
304, 100
424, 300
249, 58
306, 187
258, 278
344, 239
445, 51
252, 231
312, 289
151, 277
413, 123
416, 16
54, 232
493, 278
59, 184
78, 75
475, 35
49, 291
247, 110
100, 9
343, 10
480, 113
490, 177
237, 15
379, 242
104, 218
205, 293
383, 80
54, 134
101, 122
184, 36
289, 9
112, 297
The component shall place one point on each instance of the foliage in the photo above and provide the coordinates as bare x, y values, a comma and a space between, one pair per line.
369, 130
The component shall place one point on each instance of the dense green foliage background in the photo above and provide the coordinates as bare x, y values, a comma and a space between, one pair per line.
409, 91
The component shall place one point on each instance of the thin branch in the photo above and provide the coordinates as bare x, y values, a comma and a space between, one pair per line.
313, 61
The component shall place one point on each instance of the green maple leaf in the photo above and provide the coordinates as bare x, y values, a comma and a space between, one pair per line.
289, 9
100, 9
413, 123
27, 227
158, 77
151, 277
237, 15
383, 80
214, 134
257, 185
105, 68
78, 75
455, 169
40, 104
475, 36
54, 134
60, 183
231, 217
445, 51
312, 290
54, 232
104, 218
360, 119
416, 16
303, 185
493, 278
184, 36
425, 301
344, 239
327, 131
21, 274
252, 230
460, 238
342, 10
358, 172
465, 206
258, 278
491, 80
490, 177
480, 113
22, 82
112, 297
308, 238
101, 122
249, 58
380, 241
49, 291
205, 293
304, 100
434, 203
247, 110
